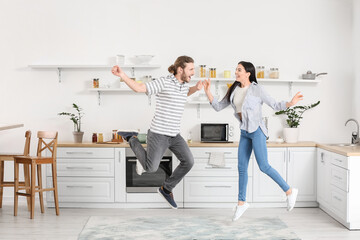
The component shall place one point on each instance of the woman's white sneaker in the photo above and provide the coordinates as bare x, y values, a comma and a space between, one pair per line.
240, 211
291, 199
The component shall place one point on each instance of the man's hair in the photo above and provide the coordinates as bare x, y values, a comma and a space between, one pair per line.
180, 62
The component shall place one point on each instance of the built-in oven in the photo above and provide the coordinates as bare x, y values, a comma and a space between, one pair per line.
147, 182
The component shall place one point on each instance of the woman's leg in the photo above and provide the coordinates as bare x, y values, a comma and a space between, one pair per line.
244, 152
261, 155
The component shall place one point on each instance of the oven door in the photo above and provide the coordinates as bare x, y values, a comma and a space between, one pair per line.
147, 182
214, 132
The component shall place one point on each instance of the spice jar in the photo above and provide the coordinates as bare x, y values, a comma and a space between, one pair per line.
202, 70
94, 138
227, 74
114, 134
96, 83
212, 72
101, 137
274, 73
260, 71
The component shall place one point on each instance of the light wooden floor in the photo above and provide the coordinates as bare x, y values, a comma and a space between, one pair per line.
307, 223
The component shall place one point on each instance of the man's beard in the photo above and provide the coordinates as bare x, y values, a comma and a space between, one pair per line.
184, 78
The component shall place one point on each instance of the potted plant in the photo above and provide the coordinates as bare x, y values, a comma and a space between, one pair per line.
294, 115
76, 119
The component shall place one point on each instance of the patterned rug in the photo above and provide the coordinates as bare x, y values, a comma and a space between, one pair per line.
184, 228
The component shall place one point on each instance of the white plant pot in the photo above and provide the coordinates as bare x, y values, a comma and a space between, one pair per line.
291, 135
78, 137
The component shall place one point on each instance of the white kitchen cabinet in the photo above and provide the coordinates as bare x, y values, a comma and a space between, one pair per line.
87, 175
211, 186
338, 191
323, 176
301, 172
264, 188
297, 165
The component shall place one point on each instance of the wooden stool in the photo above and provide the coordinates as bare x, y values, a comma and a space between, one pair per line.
36, 162
10, 157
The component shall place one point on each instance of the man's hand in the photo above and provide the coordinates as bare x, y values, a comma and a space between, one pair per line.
117, 71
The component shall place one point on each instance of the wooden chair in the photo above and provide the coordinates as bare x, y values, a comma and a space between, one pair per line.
36, 162
10, 157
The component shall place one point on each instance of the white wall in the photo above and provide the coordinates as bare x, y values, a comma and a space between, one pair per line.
293, 35
356, 42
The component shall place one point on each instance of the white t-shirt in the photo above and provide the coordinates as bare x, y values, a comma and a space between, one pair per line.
239, 96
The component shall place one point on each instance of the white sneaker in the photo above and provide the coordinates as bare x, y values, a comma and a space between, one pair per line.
291, 199
240, 211
139, 168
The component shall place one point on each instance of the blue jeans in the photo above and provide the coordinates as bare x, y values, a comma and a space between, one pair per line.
256, 141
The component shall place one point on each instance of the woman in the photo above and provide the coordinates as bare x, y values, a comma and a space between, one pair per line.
246, 97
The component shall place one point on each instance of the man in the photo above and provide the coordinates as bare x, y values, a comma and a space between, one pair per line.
164, 132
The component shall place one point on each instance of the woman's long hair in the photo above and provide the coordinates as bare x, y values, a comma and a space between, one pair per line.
249, 67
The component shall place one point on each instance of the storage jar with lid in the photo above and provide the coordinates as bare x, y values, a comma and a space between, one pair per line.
202, 70
94, 138
212, 72
274, 73
260, 71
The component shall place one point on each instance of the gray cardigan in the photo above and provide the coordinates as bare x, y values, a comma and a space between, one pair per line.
251, 110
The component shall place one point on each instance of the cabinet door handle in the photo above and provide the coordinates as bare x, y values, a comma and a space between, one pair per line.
79, 152
218, 167
339, 160
218, 186
336, 176
322, 156
80, 168
119, 156
79, 186
224, 152
339, 199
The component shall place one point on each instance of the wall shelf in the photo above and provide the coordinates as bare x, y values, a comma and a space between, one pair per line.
60, 67
99, 90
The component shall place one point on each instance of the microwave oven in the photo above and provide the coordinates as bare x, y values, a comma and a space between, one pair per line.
216, 132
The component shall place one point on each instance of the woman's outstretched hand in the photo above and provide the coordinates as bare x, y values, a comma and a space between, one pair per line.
298, 96
206, 83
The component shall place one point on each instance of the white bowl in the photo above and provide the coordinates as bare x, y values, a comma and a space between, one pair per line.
143, 59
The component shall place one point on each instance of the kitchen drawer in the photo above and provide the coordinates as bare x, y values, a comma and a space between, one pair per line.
205, 152
339, 177
339, 202
85, 153
211, 189
201, 168
339, 160
82, 189
84, 167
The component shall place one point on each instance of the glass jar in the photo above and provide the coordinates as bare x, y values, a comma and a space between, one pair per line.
202, 70
227, 74
212, 72
114, 134
96, 83
260, 71
274, 73
101, 137
94, 138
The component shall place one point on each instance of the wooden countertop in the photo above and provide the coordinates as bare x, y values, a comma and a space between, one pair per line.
346, 151
9, 126
193, 144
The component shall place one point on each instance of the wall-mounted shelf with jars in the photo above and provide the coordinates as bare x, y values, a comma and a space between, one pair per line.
262, 80
60, 67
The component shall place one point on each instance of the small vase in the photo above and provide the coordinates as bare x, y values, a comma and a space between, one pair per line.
291, 135
78, 137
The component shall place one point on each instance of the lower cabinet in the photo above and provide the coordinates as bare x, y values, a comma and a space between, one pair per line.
297, 166
337, 182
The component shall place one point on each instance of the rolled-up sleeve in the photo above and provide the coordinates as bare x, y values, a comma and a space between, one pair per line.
155, 86
219, 105
271, 102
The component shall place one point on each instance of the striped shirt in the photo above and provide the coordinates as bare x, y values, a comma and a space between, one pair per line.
170, 102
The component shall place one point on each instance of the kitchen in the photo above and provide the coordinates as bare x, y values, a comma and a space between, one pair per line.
321, 36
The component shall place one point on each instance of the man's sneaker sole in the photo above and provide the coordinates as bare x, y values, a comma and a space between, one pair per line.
158, 190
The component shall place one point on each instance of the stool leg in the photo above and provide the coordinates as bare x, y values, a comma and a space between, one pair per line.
40, 188
54, 178
27, 185
1, 181
32, 191
16, 186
